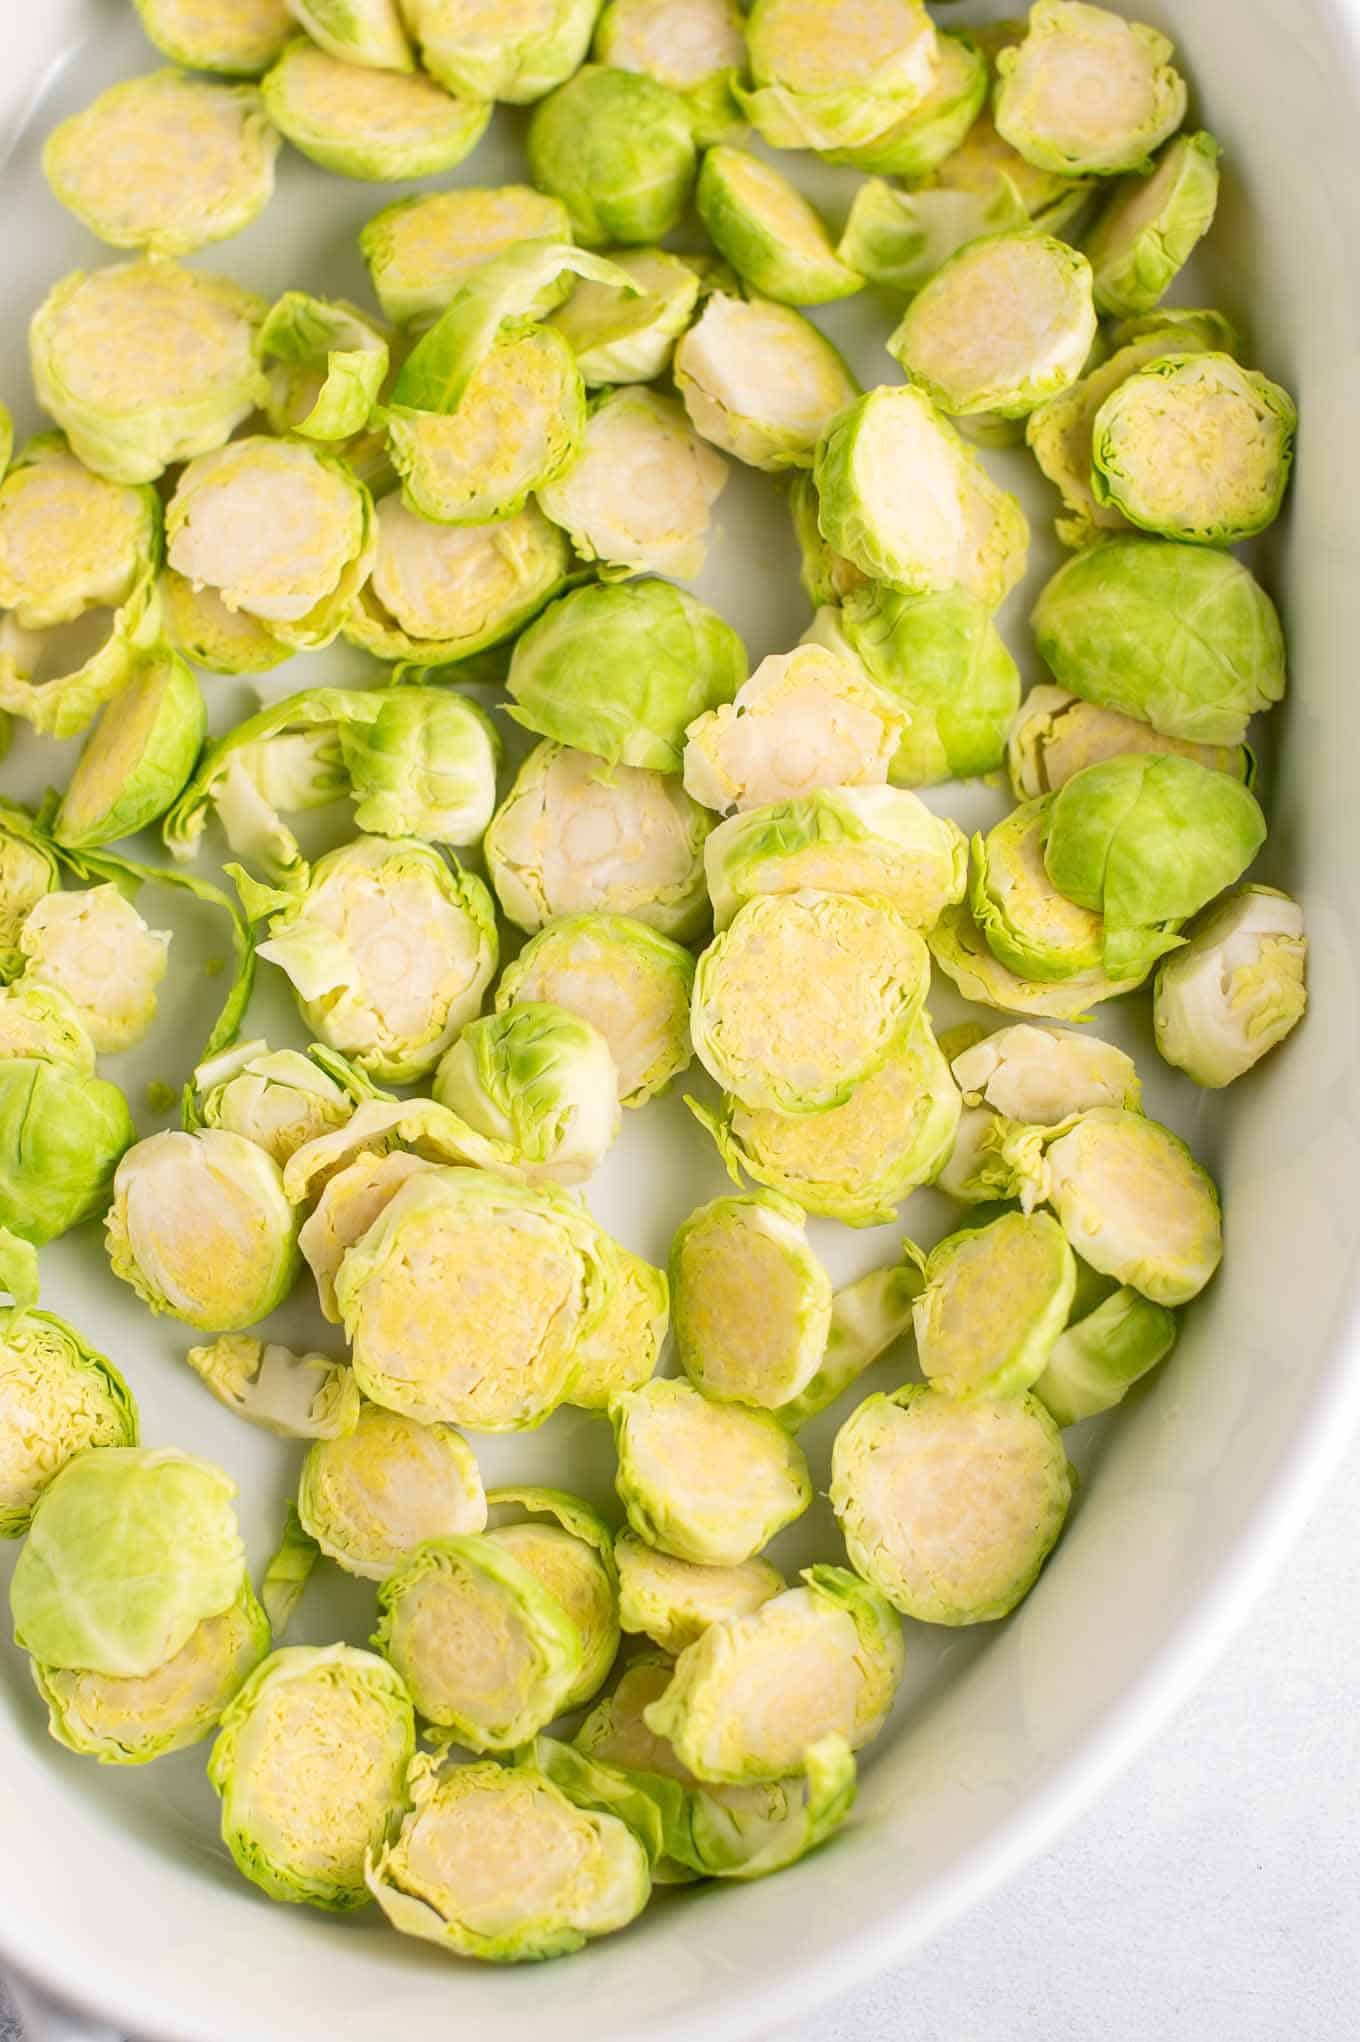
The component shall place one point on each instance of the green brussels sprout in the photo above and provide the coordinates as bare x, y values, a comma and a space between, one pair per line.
618, 336
575, 834
294, 1396
629, 981
424, 767
198, 625
805, 1053
867, 1318
70, 541
1055, 735
368, 1497
349, 1202
165, 162
326, 362
376, 125
838, 78
38, 1021
138, 756
996, 1298
751, 1303
310, 1764
626, 1318
1182, 637
280, 1098
143, 364
863, 840
768, 232
285, 757
858, 1161
1237, 987
495, 1862
240, 38
1195, 448
540, 1081
358, 31
389, 948
422, 249
920, 141
898, 239
1087, 91
950, 1505
673, 1602
751, 1697
806, 719
129, 1549
61, 1135
695, 47
95, 948
28, 870
827, 578
572, 1557
1030, 926
1148, 228
961, 950
60, 1396
1146, 841
707, 1482
617, 148
513, 50
287, 1573
1136, 1204
441, 592
1096, 1362
639, 498
760, 381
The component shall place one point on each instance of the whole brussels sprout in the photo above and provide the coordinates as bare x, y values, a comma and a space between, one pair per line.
441, 592
539, 1080
1055, 735
769, 233
422, 249
673, 1602
60, 1396
639, 498
1237, 987
836, 79
376, 125
696, 47
1087, 91
61, 1135
295, 1396
617, 148
1094, 1364
138, 756
358, 31
1149, 226
1136, 1203
751, 1304
240, 38
707, 1482
623, 336
513, 50
805, 719
995, 1299
387, 1486
760, 381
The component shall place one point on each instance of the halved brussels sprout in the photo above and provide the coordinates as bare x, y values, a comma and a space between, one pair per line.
806, 719
358, 31
918, 142
541, 1082
125, 1719
623, 337
513, 50
639, 498
28, 870
129, 1549
867, 1318
1056, 734
836, 78
440, 592
279, 1098
1236, 989
897, 239
61, 1134
145, 363
296, 1396
950, 1505
1150, 225
751, 1304
59, 1396
572, 1556
617, 148
310, 1763
1087, 91
806, 995
707, 1482
575, 834
327, 363
495, 1862
386, 1486
349, 1203
1195, 448
165, 162
769, 233
615, 1732
424, 767
626, 1317
875, 840
70, 541
1041, 1076
377, 125
827, 578
1031, 927
240, 38
1096, 1362
995, 1299
760, 381
422, 249
1135, 1204
995, 1157
389, 948
138, 756
286, 757
961, 950
198, 624
626, 979
95, 948
696, 47
752, 1696
38, 1021
673, 1602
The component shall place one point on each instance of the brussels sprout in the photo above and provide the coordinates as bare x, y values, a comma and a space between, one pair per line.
131, 1719
1148, 228
441, 592
760, 381
165, 162
59, 1396
1055, 735
238, 37
617, 148
58, 680
310, 1763
619, 336
769, 233
287, 1573
129, 1549
144, 363
639, 497
61, 1135
626, 1317
424, 767
1196, 448
696, 47
996, 1298
70, 540
514, 50
348, 1205
1146, 841
1136, 1204
358, 31
615, 1732
1032, 928
296, 1396
950, 1505
95, 948
327, 363
540, 1081
389, 948
422, 249
198, 625
1096, 1362
28, 870
673, 1602
751, 1697
827, 578
835, 79
284, 757
1042, 1076
921, 140
867, 1318
38, 1021
378, 125
627, 980
385, 1486
1087, 91
138, 757
771, 1019
1237, 987
859, 1161
897, 239
1002, 325
805, 720
751, 1302
495, 1862
575, 834
707, 1482
279, 1098
959, 947
572, 1557
877, 840
995, 1158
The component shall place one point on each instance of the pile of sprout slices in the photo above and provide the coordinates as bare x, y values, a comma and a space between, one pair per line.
493, 483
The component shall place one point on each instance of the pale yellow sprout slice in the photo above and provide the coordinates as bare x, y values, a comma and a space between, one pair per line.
805, 719
759, 381
95, 948
883, 48
451, 582
579, 1581
422, 249
751, 1304
1236, 988
1135, 1204
369, 124
673, 1602
1087, 91
995, 1299
236, 37
707, 1482
269, 524
69, 539
349, 1203
386, 1486
639, 496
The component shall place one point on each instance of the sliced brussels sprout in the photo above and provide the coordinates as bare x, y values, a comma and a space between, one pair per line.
1135, 1204
515, 50
422, 249
387, 1485
1087, 91
358, 31
867, 1318
1096, 1362
349, 1203
95, 948
805, 720
58, 680
1055, 735
707, 1482
836, 78
424, 767
145, 363
310, 1763
617, 148
920, 141
239, 38
1150, 225
751, 1303
130, 1720
771, 1019
539, 1080
495, 1862
38, 1021
1183, 637
1032, 928
61, 1135
296, 1396
199, 626
619, 336
673, 1602
902, 496
441, 592
752, 1696
959, 947
327, 362
950, 1505
1042, 1076
827, 578
877, 840
128, 1550
626, 1317
280, 1098
626, 979
615, 1732
287, 1573
138, 756
165, 162
696, 47
575, 834
59, 1396
760, 381
1194, 447
28, 870
572, 1557
768, 231
1237, 987
639, 498
376, 125
70, 541
996, 1298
